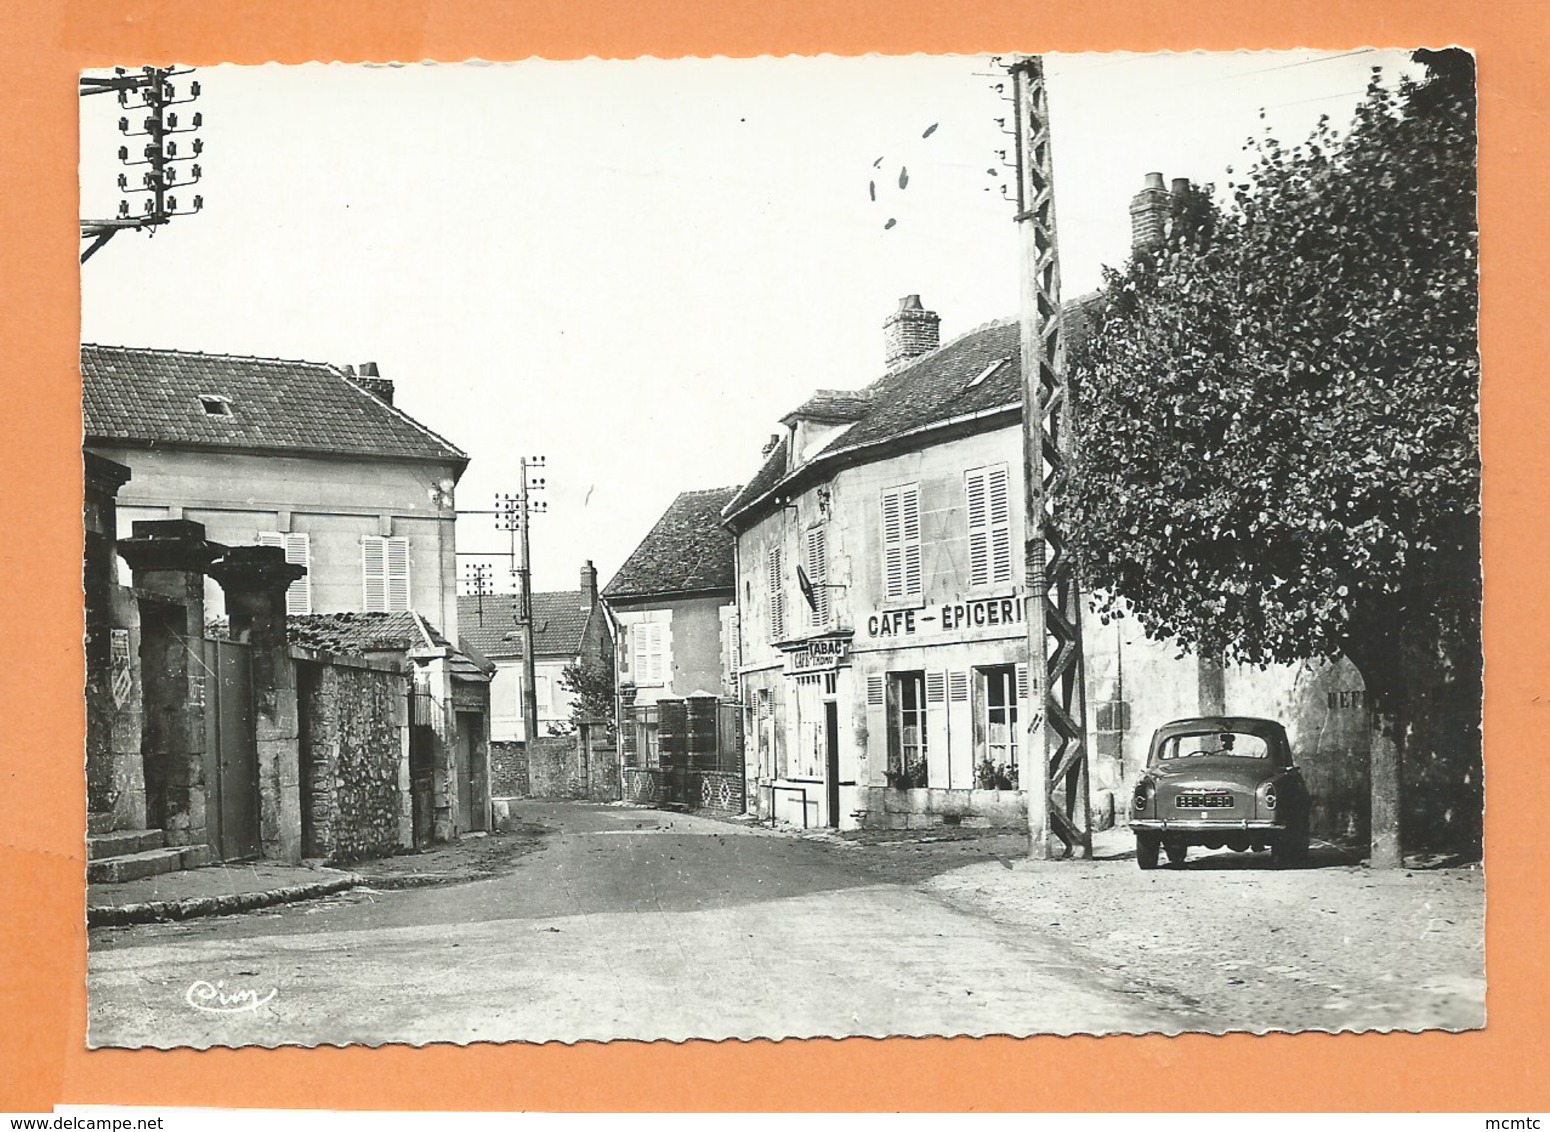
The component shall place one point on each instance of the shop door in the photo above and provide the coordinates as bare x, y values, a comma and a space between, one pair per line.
231, 751
831, 727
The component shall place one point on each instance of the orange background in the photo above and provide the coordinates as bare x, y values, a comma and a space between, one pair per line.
43, 1059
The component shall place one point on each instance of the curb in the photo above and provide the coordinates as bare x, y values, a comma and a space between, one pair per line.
161, 911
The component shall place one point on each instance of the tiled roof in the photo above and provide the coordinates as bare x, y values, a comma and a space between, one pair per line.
489, 624
154, 396
688, 551
351, 634
976, 373
833, 406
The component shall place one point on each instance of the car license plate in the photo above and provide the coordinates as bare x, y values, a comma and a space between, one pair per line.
1212, 800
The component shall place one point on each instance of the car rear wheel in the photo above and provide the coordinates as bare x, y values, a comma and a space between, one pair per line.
1146, 850
1289, 851
1177, 853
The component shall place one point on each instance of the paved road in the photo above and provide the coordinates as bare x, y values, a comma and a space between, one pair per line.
625, 924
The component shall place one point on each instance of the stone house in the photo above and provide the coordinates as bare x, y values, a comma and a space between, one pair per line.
568, 626
881, 604
674, 600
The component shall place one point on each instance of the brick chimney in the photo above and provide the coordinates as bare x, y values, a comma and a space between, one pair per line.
378, 386
1149, 214
588, 585
910, 332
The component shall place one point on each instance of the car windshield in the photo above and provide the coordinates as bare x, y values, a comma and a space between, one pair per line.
1215, 744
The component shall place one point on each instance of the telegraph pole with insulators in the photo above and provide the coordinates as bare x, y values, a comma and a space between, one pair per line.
1059, 809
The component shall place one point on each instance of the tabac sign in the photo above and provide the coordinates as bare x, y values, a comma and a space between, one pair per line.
821, 654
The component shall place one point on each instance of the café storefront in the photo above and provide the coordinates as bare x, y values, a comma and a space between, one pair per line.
914, 716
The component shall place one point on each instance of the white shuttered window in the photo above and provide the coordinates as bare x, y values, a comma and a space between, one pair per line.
385, 573
990, 526
901, 542
817, 574
298, 551
646, 649
777, 595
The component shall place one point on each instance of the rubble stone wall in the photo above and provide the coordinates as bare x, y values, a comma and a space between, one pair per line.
355, 759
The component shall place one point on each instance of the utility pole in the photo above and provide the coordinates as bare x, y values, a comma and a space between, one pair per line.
1059, 809
517, 513
477, 584
157, 94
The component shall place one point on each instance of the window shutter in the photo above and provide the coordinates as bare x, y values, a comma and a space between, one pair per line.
901, 542
817, 574
777, 596
374, 573
909, 505
876, 753
960, 732
1000, 524
937, 766
296, 544
647, 643
1022, 682
893, 549
979, 528
397, 574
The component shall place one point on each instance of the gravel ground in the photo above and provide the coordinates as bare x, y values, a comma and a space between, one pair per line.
475, 857
1226, 943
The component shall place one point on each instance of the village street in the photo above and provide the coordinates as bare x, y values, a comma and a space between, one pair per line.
632, 923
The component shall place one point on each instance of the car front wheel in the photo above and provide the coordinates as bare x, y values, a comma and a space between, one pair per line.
1177, 852
1146, 850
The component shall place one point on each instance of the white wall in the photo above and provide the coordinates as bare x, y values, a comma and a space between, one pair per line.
335, 500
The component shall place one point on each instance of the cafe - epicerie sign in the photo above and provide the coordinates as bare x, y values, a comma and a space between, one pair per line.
975, 613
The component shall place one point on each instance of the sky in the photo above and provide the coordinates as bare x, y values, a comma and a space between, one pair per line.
634, 269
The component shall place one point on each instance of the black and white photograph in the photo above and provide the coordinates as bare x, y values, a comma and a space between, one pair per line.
796, 547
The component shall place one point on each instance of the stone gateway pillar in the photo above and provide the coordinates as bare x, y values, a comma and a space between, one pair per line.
255, 579
169, 558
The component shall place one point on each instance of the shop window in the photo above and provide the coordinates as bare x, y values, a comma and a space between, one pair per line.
995, 729
907, 729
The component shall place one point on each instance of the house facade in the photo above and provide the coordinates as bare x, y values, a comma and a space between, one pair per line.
568, 626
674, 602
307, 456
881, 606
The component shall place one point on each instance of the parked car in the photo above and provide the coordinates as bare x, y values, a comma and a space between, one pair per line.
1219, 781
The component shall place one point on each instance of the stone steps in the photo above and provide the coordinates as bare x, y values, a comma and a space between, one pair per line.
147, 863
119, 842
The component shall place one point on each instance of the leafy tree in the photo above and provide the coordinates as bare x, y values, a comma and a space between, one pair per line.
592, 683
1278, 450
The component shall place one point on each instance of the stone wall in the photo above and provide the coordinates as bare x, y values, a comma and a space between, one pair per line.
508, 770
355, 758
560, 766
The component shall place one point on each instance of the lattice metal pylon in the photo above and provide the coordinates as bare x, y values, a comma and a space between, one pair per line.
1059, 810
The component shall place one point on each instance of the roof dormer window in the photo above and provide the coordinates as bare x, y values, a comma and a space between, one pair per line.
986, 372
215, 404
